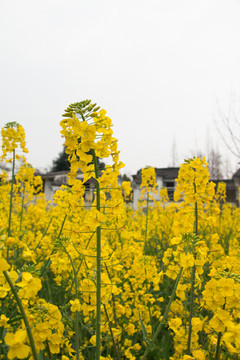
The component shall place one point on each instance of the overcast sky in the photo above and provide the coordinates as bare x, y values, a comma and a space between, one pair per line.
161, 69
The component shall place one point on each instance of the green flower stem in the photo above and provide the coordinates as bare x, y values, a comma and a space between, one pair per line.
191, 310
19, 303
192, 292
44, 233
11, 195
218, 348
165, 315
196, 218
48, 350
76, 296
146, 230
49, 291
11, 201
47, 263
80, 264
113, 299
22, 205
15, 249
114, 315
111, 332
98, 305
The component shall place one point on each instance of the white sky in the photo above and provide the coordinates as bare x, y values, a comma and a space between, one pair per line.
160, 68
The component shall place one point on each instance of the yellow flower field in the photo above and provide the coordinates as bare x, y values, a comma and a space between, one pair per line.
106, 281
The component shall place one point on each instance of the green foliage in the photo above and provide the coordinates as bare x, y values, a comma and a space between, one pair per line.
61, 163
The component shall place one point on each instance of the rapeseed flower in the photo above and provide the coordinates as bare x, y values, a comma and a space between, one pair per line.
17, 347
29, 286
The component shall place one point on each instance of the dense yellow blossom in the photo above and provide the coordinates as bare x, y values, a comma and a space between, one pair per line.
17, 348
48, 257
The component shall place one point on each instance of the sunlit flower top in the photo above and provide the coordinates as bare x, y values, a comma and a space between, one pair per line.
13, 137
88, 135
193, 182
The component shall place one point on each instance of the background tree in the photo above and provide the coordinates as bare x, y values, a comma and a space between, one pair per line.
61, 163
174, 154
124, 177
214, 160
228, 127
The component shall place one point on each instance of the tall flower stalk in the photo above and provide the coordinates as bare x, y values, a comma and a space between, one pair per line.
148, 186
22, 311
98, 280
195, 190
11, 194
164, 318
13, 137
193, 275
88, 136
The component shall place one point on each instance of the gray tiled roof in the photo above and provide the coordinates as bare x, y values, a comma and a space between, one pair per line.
236, 174
170, 173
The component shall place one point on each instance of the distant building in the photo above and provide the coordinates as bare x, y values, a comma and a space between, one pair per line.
166, 177
53, 181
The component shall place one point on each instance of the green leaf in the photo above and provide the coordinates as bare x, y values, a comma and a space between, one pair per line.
151, 346
143, 328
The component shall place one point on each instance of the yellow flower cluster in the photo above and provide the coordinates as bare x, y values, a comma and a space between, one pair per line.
25, 178
17, 345
90, 131
148, 179
13, 136
170, 272
193, 182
